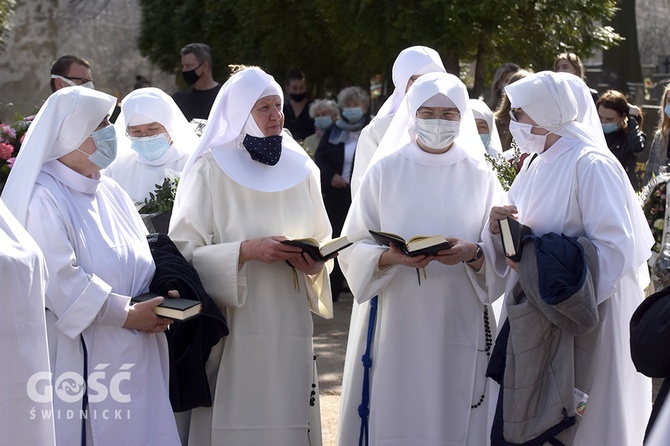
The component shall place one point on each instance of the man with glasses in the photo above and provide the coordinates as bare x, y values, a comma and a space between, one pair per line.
69, 71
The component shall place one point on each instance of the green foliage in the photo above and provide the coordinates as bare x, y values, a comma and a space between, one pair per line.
161, 199
339, 43
505, 169
6, 10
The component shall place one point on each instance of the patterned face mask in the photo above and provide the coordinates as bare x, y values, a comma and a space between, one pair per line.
265, 150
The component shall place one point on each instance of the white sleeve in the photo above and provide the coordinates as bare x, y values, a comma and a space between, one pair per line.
76, 297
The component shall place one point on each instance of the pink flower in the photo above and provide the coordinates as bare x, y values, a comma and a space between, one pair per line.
29, 118
8, 132
10, 162
6, 150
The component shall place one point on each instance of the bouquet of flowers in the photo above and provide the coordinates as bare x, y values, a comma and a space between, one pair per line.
505, 168
11, 137
653, 198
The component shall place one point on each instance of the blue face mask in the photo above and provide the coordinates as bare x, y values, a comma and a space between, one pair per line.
610, 127
323, 122
352, 114
105, 147
265, 150
486, 138
667, 111
151, 147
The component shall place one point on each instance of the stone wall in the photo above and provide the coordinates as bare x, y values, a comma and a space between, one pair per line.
104, 32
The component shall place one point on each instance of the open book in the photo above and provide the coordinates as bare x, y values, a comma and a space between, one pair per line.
176, 309
512, 233
319, 252
415, 246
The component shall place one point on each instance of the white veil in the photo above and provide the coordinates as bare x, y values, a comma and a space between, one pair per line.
66, 119
410, 61
401, 130
226, 122
151, 104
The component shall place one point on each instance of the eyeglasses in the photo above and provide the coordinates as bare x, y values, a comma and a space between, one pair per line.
151, 133
449, 115
73, 81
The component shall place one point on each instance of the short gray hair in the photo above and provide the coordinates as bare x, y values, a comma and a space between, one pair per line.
323, 106
349, 93
201, 52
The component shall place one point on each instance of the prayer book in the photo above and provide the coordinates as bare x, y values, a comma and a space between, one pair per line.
418, 245
319, 252
512, 233
177, 309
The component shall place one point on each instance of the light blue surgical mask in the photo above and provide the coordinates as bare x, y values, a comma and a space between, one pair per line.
610, 127
352, 114
486, 139
105, 147
151, 147
323, 122
667, 111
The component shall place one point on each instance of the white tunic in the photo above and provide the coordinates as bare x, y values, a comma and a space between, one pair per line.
552, 195
368, 142
263, 378
23, 337
139, 177
428, 355
97, 254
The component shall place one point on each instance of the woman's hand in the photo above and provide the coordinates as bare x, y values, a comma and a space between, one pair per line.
141, 317
267, 250
512, 264
305, 263
460, 251
338, 182
394, 256
500, 213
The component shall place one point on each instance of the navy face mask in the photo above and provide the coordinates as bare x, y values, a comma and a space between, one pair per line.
265, 150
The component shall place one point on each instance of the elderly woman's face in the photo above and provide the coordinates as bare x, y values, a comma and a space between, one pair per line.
267, 112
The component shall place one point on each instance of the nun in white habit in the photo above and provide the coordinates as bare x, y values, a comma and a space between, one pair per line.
488, 131
248, 186
25, 418
410, 64
153, 136
572, 184
97, 256
432, 338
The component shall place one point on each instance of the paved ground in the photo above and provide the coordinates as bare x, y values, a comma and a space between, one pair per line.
330, 342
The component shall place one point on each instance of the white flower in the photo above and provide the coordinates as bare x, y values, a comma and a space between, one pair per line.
172, 174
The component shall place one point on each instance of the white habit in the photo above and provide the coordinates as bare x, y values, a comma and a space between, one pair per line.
428, 355
263, 378
574, 190
98, 256
23, 337
139, 176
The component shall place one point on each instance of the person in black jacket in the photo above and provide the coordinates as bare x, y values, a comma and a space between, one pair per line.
622, 124
335, 158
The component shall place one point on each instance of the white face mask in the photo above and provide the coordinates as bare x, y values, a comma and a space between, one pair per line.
436, 133
71, 83
527, 141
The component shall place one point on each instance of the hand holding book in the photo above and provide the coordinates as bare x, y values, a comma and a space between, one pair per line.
513, 233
